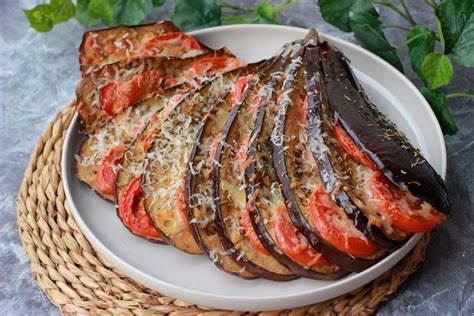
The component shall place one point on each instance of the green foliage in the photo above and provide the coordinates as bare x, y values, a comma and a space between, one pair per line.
436, 70
43, 17
192, 14
454, 20
438, 103
421, 42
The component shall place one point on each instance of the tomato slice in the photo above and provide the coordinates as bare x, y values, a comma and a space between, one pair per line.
181, 203
250, 232
400, 207
173, 44
405, 211
292, 243
132, 211
212, 65
336, 228
91, 51
117, 96
351, 148
105, 177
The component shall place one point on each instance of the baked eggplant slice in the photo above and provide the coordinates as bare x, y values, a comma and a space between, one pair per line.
334, 166
128, 192
310, 208
265, 203
379, 138
107, 46
198, 182
231, 218
166, 161
348, 174
111, 89
101, 152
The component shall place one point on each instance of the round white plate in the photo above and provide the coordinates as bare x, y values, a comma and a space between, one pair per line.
193, 278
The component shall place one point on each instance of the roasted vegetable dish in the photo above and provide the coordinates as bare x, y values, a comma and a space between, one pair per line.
278, 169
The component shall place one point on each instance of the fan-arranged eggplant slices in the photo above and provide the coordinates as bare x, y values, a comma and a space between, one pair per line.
279, 169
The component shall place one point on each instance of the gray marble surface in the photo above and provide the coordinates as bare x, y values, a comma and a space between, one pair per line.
38, 74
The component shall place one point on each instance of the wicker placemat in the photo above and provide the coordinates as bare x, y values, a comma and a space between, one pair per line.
79, 281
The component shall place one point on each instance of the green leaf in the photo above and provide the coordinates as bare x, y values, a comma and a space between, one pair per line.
421, 42
464, 49
133, 12
438, 103
157, 3
345, 14
437, 70
82, 15
193, 14
336, 13
40, 17
100, 9
62, 10
454, 16
266, 14
377, 43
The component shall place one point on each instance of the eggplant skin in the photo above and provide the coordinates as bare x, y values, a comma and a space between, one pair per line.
335, 256
377, 137
316, 113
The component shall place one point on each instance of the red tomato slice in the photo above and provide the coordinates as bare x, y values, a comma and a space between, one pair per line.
118, 95
351, 148
212, 65
402, 209
181, 203
132, 211
173, 44
105, 177
91, 51
330, 221
250, 232
292, 243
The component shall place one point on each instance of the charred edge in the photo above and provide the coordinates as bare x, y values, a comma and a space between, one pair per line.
335, 256
315, 114
408, 169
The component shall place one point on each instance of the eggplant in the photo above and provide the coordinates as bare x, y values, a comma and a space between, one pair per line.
378, 137
198, 183
127, 42
291, 156
229, 200
264, 197
127, 190
329, 155
165, 72
166, 161
120, 131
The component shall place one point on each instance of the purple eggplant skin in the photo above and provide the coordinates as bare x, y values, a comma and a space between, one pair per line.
251, 189
377, 137
316, 97
328, 251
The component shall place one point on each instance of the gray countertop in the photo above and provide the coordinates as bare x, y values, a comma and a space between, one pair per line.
38, 75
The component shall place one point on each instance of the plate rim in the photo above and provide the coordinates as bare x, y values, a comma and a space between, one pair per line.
198, 297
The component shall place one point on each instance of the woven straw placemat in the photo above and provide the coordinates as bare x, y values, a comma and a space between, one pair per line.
79, 281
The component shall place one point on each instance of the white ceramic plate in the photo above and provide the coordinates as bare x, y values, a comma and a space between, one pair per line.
193, 278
